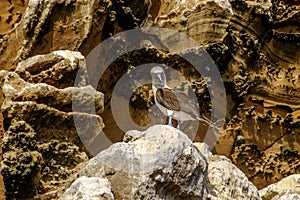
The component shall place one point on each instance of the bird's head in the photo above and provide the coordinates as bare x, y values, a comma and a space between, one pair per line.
158, 77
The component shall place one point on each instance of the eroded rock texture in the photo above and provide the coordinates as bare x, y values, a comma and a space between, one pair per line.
53, 25
262, 136
46, 26
40, 145
255, 45
204, 21
11, 13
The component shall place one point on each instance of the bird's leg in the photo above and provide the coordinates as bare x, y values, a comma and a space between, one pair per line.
178, 124
170, 120
170, 115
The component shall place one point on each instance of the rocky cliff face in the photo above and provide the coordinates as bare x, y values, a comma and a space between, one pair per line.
264, 120
40, 145
254, 44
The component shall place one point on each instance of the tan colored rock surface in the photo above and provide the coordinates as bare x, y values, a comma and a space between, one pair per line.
254, 44
41, 147
51, 25
204, 21
262, 136
11, 14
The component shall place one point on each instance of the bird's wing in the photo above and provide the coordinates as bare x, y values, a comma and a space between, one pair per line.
168, 99
188, 104
177, 101
217, 126
205, 120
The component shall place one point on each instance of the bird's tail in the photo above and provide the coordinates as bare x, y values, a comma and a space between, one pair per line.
217, 125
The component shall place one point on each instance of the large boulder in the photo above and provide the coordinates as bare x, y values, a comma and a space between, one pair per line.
162, 163
226, 181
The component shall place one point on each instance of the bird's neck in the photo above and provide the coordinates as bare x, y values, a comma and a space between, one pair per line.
154, 89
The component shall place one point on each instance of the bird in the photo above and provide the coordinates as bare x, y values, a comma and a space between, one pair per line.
173, 102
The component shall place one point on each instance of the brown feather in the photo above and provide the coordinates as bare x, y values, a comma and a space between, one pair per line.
177, 101
168, 99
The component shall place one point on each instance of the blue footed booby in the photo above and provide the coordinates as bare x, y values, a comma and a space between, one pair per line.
174, 103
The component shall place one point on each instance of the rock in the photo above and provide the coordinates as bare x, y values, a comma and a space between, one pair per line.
22, 163
255, 154
204, 148
42, 144
286, 195
52, 25
204, 21
47, 26
287, 188
254, 44
11, 14
162, 163
226, 181
133, 135
60, 69
270, 145
93, 188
